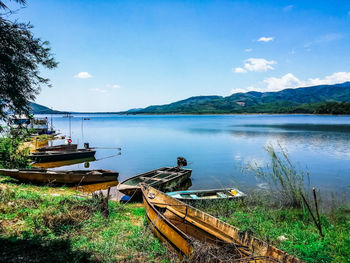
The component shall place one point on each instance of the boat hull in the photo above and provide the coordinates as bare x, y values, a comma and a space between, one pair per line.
61, 155
166, 231
62, 147
61, 177
135, 191
207, 196
206, 228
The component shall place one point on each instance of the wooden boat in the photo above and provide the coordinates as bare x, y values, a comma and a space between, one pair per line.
211, 195
68, 177
61, 147
54, 156
181, 225
164, 179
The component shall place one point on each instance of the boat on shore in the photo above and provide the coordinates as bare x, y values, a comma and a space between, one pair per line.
182, 225
67, 177
211, 195
54, 156
61, 147
164, 179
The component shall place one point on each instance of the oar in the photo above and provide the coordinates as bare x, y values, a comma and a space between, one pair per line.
111, 148
107, 157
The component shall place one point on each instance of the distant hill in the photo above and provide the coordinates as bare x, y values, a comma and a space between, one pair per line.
40, 109
315, 99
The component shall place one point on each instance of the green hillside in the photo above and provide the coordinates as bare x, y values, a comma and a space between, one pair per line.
328, 99
40, 109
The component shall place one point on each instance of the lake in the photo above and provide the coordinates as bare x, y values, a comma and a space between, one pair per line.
217, 147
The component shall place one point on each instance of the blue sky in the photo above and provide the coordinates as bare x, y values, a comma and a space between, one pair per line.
116, 55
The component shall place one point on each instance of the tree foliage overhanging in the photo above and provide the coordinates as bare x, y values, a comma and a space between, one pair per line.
21, 55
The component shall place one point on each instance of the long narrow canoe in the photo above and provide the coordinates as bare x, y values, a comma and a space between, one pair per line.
164, 179
68, 177
179, 224
54, 156
61, 147
212, 195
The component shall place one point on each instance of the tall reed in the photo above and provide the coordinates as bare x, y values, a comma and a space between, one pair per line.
285, 181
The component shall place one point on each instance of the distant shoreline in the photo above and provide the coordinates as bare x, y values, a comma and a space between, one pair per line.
196, 114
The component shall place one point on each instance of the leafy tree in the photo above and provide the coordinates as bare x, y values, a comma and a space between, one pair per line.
21, 55
3, 6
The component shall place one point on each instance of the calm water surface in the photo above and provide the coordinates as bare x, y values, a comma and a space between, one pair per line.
217, 147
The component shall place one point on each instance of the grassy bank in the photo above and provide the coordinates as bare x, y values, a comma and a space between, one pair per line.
291, 229
43, 224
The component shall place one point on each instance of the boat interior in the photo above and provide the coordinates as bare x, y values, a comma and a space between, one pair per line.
156, 176
209, 194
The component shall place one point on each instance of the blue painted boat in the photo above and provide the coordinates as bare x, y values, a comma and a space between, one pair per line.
208, 195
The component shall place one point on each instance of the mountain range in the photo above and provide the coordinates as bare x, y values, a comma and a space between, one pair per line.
299, 100
332, 99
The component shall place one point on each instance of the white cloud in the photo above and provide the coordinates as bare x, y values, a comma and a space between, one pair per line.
115, 86
258, 64
99, 90
324, 39
338, 77
83, 75
248, 50
285, 82
239, 90
239, 70
289, 81
288, 8
255, 64
265, 39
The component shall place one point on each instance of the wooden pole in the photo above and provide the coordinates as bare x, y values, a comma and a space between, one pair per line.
312, 215
318, 214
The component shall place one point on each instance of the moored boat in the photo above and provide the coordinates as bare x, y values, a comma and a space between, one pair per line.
164, 179
61, 147
67, 177
55, 156
180, 224
211, 195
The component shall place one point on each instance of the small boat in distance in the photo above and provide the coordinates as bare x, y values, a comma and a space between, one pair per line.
165, 179
54, 156
211, 195
61, 147
181, 225
67, 177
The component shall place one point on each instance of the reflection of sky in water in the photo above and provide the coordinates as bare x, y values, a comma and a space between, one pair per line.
217, 147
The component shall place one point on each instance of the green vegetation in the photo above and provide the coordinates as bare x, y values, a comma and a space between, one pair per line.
324, 99
12, 153
43, 224
291, 229
22, 55
283, 179
40, 109
279, 216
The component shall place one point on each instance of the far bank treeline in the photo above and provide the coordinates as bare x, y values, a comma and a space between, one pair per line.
323, 99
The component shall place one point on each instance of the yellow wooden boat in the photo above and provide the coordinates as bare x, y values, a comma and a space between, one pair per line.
180, 225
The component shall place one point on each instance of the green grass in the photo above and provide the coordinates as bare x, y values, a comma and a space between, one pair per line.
302, 238
44, 224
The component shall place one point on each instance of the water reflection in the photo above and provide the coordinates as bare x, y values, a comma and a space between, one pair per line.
86, 162
218, 147
89, 188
